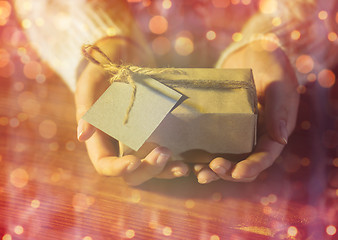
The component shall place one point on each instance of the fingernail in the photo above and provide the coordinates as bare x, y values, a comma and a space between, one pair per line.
236, 175
219, 170
178, 174
80, 129
132, 166
283, 132
202, 181
162, 158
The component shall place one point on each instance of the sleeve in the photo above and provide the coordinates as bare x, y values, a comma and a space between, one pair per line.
59, 28
299, 27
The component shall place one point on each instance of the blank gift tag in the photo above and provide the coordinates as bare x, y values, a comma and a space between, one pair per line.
153, 101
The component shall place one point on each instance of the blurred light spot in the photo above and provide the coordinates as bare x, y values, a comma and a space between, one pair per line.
268, 6
26, 23
272, 198
32, 69
304, 64
322, 15
305, 161
166, 4
7, 237
214, 237
54, 146
35, 203
311, 77
221, 3
18, 86
331, 230
292, 231
158, 24
326, 78
216, 197
301, 89
22, 117
70, 145
265, 201
5, 11
134, 1
267, 210
335, 162
14, 122
270, 42
20, 147
55, 177
29, 104
337, 17
4, 57
7, 70
235, 2
295, 35
19, 178
81, 202
21, 51
184, 46
236, 37
40, 78
146, 3
25, 59
189, 203
18, 230
87, 238
152, 225
135, 196
161, 45
305, 125
47, 129
210, 35
332, 36
39, 22
276, 21
130, 233
4, 121
167, 231
111, 31
246, 2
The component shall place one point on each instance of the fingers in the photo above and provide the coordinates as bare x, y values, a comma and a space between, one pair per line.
174, 169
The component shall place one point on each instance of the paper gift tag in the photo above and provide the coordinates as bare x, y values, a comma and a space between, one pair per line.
153, 101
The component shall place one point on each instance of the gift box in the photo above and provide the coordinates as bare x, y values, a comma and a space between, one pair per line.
197, 110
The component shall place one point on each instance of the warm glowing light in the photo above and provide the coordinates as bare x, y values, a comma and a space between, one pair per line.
4, 57
70, 145
5, 9
7, 70
184, 46
32, 69
135, 196
335, 162
35, 203
130, 233
221, 3
167, 231
332, 36
19, 178
246, 2
18, 230
26, 23
161, 45
214, 237
166, 4
47, 129
305, 161
295, 35
236, 37
146, 3
268, 6
22, 117
4, 121
301, 89
134, 1
305, 125
111, 31
14, 122
87, 238
326, 78
311, 77
81, 202
331, 230
40, 78
265, 201
267, 210
39, 22
276, 21
210, 35
235, 2
272, 198
152, 225
322, 15
270, 42
189, 203
158, 24
28, 103
292, 231
7, 237
304, 64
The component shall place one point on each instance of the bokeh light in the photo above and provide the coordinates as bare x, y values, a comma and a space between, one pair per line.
331, 230
220, 3
35, 203
130, 233
235, 2
335, 162
87, 238
246, 2
322, 15
18, 229
5, 12
305, 125
292, 231
81, 202
189, 203
4, 57
301, 89
210, 35
26, 23
332, 36
276, 21
112, 31
158, 24
29, 103
270, 42
47, 129
167, 231
326, 78
32, 69
161, 45
7, 237
311, 77
236, 37
214, 237
304, 64
184, 46
166, 4
295, 35
19, 178
268, 6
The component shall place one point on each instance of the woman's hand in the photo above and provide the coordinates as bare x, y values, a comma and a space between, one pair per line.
278, 101
151, 160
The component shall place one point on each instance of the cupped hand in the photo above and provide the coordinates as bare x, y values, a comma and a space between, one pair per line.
278, 101
149, 162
